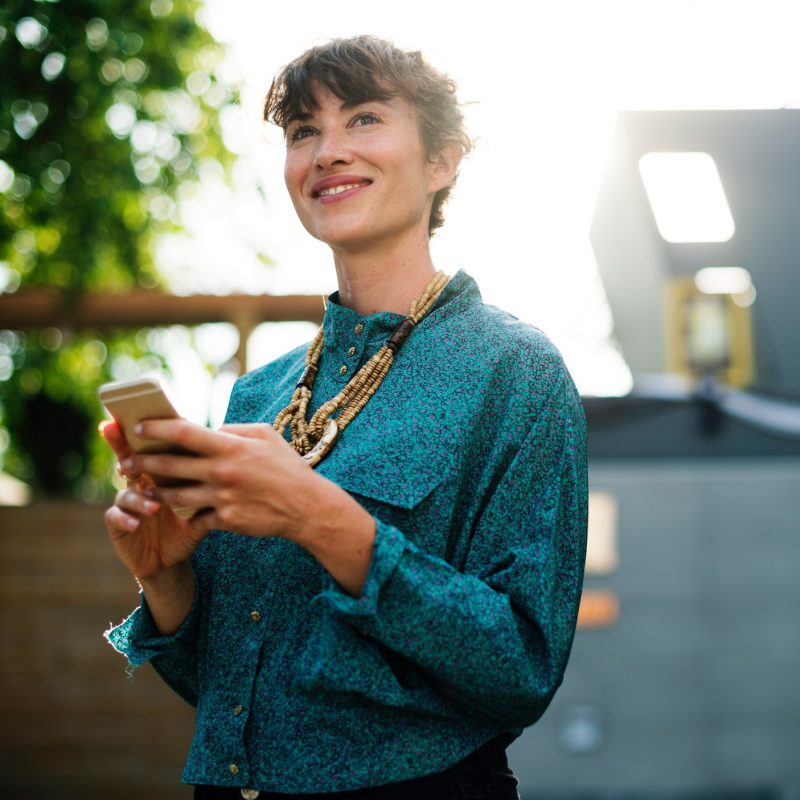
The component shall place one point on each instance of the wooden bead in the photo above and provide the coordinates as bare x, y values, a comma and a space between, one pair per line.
400, 334
307, 378
314, 438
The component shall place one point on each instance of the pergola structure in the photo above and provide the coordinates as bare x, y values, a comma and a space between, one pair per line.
140, 308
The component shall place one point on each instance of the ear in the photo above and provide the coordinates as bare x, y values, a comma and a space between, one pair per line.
444, 166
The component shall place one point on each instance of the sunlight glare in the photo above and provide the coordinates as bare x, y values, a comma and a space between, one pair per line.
542, 98
687, 197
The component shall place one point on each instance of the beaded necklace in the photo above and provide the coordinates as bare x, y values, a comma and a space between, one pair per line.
314, 438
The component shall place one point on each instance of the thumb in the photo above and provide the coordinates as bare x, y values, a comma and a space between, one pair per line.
113, 434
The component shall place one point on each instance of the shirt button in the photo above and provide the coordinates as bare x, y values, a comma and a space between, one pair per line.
351, 351
234, 769
359, 328
343, 369
238, 710
255, 616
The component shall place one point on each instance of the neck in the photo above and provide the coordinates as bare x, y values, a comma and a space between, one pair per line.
389, 281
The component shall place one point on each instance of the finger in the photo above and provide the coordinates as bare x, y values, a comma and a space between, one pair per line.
119, 522
257, 430
132, 475
114, 436
112, 433
200, 496
136, 502
185, 434
133, 478
187, 468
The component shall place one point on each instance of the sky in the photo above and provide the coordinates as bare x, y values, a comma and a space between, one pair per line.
543, 83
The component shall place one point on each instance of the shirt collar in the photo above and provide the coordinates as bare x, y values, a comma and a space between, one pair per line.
339, 324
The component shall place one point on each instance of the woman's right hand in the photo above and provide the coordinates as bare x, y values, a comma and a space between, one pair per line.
149, 538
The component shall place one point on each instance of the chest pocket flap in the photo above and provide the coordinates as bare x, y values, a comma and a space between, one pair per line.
402, 478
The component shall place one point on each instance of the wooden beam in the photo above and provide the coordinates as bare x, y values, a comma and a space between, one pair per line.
42, 308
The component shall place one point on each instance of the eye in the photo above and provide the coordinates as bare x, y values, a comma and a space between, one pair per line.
366, 118
300, 132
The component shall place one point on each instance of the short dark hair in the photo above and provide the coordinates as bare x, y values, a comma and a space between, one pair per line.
364, 68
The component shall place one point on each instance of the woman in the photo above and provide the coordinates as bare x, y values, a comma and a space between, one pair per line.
380, 590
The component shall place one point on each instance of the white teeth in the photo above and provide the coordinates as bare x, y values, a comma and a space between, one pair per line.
338, 189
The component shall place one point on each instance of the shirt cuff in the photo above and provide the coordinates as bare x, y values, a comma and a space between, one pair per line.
387, 550
137, 636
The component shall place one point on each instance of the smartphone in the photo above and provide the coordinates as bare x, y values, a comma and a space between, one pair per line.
130, 402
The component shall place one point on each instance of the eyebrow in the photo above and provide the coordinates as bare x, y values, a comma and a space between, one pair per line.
304, 116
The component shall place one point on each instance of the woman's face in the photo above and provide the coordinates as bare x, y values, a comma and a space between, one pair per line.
358, 175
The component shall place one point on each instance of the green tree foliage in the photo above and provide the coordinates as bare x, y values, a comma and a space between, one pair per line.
106, 110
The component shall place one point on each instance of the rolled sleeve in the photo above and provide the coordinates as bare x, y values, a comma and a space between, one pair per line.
387, 551
174, 657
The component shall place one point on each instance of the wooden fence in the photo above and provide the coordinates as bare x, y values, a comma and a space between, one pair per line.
72, 724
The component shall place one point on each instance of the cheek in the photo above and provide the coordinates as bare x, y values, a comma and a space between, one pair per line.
288, 175
293, 175
407, 165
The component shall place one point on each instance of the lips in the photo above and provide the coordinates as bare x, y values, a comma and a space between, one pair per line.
338, 185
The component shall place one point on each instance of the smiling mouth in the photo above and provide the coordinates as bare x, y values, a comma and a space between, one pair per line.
344, 187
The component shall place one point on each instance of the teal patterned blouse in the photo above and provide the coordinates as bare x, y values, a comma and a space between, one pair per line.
471, 457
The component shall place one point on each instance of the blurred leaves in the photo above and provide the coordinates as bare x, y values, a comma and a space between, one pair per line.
106, 110
48, 404
104, 113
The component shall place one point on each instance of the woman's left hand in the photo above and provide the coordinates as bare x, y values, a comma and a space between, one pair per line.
244, 478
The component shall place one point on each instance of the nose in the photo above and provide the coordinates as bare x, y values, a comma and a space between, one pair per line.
332, 150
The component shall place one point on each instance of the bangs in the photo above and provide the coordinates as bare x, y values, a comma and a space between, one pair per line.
353, 74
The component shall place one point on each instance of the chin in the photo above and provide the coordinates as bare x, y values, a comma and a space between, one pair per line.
351, 237
360, 235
